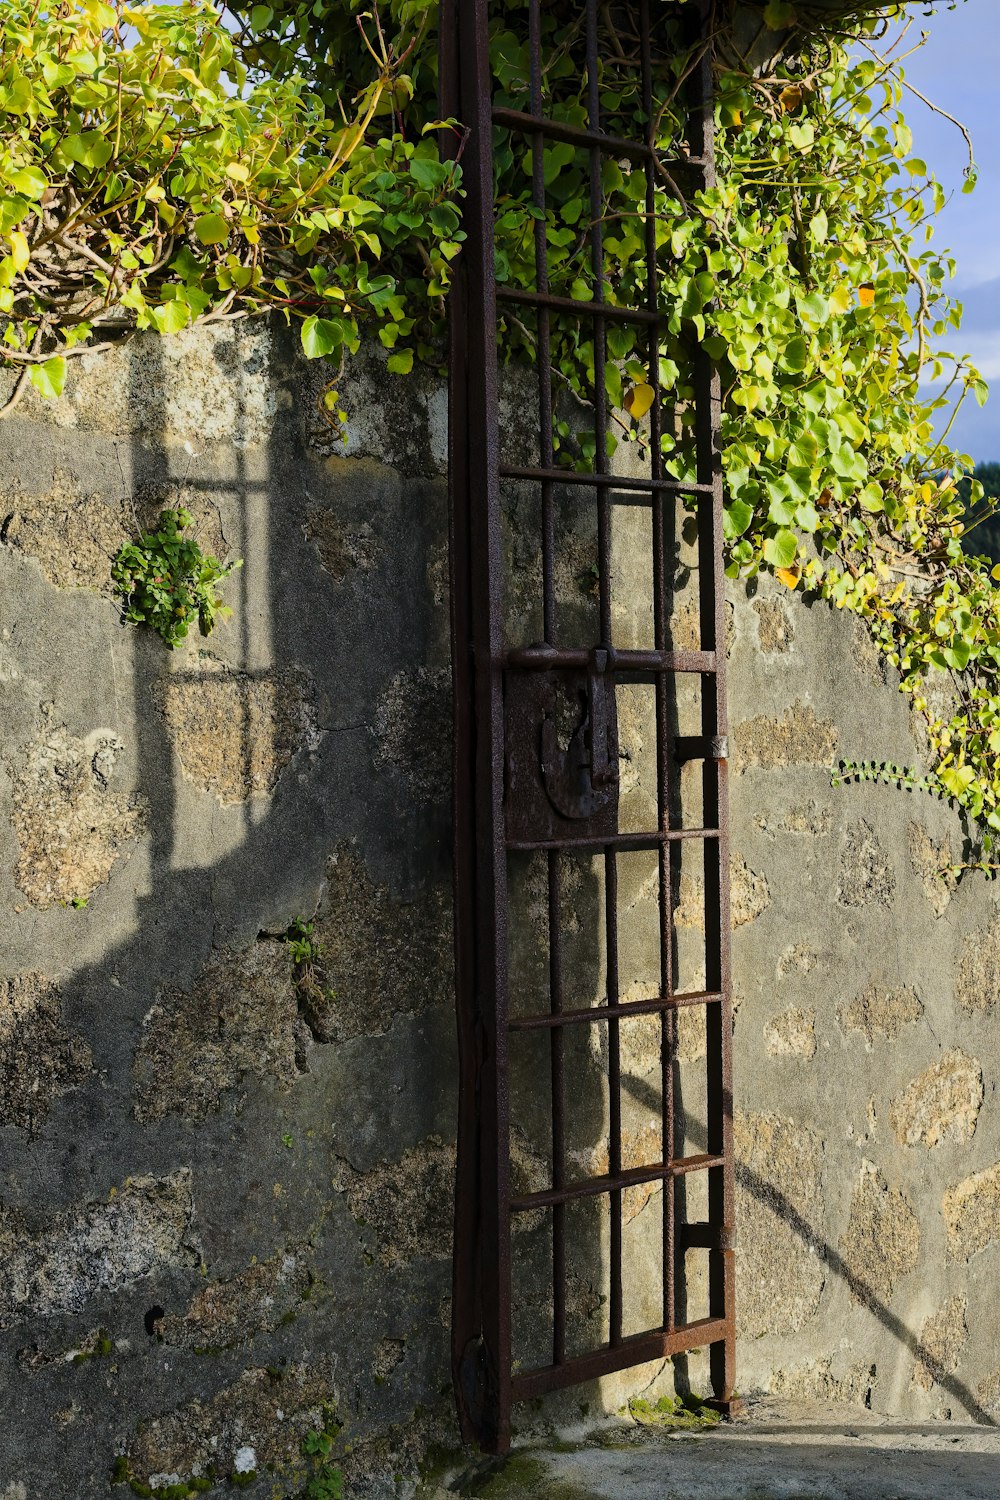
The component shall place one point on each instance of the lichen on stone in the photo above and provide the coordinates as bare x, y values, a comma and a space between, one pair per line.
988, 1392
942, 1102
342, 549
792, 1033
797, 958
72, 535
775, 631
878, 1013
71, 827
977, 987
40, 1057
780, 1271
749, 892
806, 818
865, 872
254, 1301
407, 1204
388, 1356
381, 955
931, 863
104, 1246
235, 732
239, 1022
972, 1213
942, 1340
818, 1380
881, 1244
413, 730
795, 738
267, 1410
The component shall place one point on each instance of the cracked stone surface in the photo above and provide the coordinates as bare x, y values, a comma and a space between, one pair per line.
881, 1014
239, 1022
40, 1056
942, 1103
881, 1244
235, 733
779, 1274
71, 826
108, 1246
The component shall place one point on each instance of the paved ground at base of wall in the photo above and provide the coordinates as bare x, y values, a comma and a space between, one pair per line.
775, 1451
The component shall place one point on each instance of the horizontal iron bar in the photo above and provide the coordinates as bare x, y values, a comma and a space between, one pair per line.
544, 658
607, 1012
595, 1187
607, 481
641, 1349
576, 135
627, 843
701, 747
584, 309
707, 1236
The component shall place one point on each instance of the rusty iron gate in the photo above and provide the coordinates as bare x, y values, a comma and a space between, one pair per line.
526, 787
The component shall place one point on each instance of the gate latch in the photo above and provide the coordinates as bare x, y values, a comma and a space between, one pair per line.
562, 751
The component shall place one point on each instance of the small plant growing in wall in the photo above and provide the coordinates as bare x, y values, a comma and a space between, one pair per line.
167, 582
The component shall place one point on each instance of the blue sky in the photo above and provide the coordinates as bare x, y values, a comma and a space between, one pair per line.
958, 69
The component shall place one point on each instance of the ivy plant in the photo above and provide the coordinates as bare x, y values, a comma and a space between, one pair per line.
162, 165
151, 177
167, 582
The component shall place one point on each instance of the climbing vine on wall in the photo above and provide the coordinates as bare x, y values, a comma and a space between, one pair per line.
153, 175
167, 164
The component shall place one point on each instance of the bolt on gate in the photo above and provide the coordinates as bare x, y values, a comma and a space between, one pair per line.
542, 692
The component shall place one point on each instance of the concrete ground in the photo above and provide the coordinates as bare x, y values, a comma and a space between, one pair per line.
776, 1450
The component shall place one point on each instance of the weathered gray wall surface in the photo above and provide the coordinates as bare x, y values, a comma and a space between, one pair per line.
225, 1183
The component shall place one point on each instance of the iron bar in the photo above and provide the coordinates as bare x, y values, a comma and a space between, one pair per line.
562, 793
558, 1085
627, 843
719, 1029
597, 1187
581, 309
640, 1349
543, 658
607, 481
575, 135
590, 1014
481, 1321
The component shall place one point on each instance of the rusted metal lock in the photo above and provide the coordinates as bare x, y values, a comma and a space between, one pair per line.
562, 753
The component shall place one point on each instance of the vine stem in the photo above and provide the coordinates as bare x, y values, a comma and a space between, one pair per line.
21, 383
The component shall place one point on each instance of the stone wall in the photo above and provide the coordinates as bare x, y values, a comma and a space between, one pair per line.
225, 1177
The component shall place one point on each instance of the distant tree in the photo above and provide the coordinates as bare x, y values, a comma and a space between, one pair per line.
984, 538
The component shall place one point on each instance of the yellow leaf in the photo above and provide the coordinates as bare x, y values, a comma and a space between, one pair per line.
237, 171
791, 97
866, 296
788, 576
638, 401
20, 252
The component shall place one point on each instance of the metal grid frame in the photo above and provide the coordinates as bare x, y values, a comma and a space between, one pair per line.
486, 670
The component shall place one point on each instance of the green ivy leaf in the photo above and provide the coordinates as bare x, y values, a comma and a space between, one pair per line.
736, 518
211, 229
780, 550
321, 337
49, 378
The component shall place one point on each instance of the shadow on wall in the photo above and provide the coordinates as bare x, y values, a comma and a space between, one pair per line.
861, 1289
241, 1212
246, 1246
